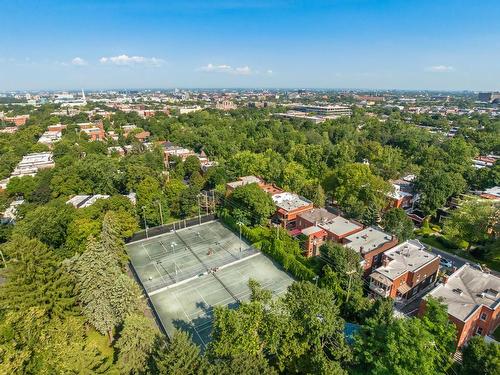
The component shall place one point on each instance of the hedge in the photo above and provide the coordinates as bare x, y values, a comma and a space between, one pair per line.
262, 238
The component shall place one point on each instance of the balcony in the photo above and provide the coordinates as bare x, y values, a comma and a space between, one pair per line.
381, 291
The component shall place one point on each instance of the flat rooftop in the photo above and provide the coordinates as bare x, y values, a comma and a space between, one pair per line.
466, 290
245, 181
318, 216
290, 201
408, 256
368, 240
340, 226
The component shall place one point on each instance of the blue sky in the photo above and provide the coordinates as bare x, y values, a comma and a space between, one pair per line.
403, 44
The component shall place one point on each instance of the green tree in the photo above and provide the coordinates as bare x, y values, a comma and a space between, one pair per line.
136, 343
396, 222
251, 204
355, 187
435, 187
22, 186
180, 356
480, 357
473, 221
149, 199
191, 165
48, 223
34, 278
106, 295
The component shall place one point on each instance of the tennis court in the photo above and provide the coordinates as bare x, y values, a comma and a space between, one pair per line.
189, 271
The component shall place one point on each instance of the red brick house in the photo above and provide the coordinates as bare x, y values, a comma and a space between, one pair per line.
339, 228
94, 130
473, 301
406, 269
314, 217
289, 206
370, 243
315, 237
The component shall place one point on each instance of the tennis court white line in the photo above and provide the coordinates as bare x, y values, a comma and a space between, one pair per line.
189, 320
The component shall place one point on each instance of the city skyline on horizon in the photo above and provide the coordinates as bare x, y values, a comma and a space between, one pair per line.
345, 44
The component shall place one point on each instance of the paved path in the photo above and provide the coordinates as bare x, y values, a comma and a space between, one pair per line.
457, 261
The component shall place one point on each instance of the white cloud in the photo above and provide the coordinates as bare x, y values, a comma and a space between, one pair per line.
216, 68
78, 61
244, 71
223, 68
126, 60
440, 69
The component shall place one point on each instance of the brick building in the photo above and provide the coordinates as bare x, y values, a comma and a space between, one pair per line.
406, 269
289, 206
473, 301
94, 130
370, 243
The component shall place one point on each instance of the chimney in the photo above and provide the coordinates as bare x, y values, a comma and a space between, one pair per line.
385, 262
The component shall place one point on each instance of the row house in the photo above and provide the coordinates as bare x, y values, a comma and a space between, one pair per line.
32, 163
319, 225
94, 130
472, 298
17, 120
289, 206
268, 188
370, 243
406, 269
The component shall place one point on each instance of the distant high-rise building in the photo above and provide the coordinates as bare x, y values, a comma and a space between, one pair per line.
490, 97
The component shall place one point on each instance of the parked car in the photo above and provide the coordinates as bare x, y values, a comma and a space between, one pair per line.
446, 263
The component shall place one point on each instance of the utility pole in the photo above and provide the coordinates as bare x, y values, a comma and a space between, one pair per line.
199, 208
239, 223
161, 213
3, 259
350, 273
145, 223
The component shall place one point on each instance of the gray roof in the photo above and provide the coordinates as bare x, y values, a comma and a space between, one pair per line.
310, 230
466, 290
318, 215
340, 225
290, 201
367, 240
408, 256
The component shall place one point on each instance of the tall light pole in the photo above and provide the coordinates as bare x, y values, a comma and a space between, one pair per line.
172, 245
239, 223
145, 223
161, 213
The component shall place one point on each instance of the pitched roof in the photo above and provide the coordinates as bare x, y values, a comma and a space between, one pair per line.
466, 290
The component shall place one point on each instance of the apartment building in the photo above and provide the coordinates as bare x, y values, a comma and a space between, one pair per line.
32, 163
406, 269
370, 243
472, 298
289, 205
331, 111
94, 130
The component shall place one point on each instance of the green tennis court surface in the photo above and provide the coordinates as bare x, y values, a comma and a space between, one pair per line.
189, 271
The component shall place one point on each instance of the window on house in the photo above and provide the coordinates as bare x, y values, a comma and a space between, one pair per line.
483, 316
479, 330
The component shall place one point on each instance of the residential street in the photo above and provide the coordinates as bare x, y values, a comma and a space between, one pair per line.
457, 261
